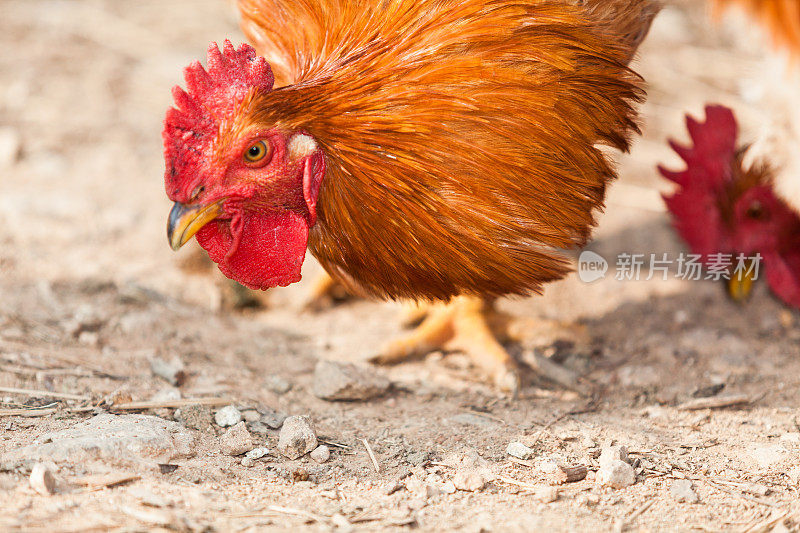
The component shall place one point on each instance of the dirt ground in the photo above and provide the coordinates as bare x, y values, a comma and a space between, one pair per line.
91, 293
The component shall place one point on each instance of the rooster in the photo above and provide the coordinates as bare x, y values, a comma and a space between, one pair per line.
433, 150
726, 210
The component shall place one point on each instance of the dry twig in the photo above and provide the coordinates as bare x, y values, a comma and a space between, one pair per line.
717, 402
371, 455
38, 393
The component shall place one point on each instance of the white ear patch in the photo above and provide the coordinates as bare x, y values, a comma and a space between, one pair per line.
301, 145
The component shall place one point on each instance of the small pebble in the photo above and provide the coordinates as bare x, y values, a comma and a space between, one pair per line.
347, 382
277, 384
42, 479
237, 440
228, 416
546, 494
247, 462
519, 450
682, 491
272, 419
449, 487
321, 454
170, 371
257, 453
89, 338
297, 437
615, 474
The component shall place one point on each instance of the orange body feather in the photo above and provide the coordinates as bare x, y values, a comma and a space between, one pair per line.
462, 138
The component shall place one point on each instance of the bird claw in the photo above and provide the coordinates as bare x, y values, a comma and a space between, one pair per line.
464, 325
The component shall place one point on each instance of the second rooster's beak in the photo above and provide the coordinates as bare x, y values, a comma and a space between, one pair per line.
741, 283
186, 220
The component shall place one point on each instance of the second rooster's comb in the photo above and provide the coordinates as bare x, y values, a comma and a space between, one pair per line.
230, 74
708, 159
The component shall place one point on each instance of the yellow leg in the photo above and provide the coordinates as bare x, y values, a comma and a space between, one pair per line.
463, 324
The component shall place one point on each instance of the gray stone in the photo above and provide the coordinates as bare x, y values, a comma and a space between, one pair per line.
615, 474
273, 419
119, 438
519, 450
227, 416
297, 437
546, 494
237, 440
257, 453
682, 491
346, 382
170, 371
321, 454
277, 384
42, 479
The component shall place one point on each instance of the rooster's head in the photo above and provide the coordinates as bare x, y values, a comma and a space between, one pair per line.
247, 189
724, 207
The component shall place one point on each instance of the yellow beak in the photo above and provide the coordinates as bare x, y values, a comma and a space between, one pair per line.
186, 220
741, 284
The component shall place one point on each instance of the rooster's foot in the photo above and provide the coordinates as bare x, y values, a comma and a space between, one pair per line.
465, 324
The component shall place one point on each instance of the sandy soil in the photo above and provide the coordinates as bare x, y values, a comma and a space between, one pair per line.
91, 293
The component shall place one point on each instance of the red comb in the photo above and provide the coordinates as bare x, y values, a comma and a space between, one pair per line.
231, 73
212, 96
708, 160
709, 168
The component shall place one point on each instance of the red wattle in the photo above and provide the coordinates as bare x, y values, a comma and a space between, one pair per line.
258, 251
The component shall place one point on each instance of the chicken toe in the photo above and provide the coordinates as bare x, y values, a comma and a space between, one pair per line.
464, 325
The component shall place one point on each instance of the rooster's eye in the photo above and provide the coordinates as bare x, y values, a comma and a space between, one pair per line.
257, 152
756, 211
